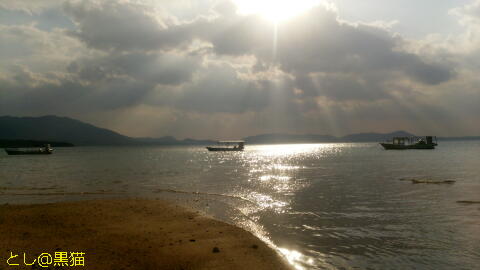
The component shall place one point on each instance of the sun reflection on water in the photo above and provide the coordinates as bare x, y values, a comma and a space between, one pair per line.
277, 173
292, 149
295, 258
282, 167
274, 177
264, 201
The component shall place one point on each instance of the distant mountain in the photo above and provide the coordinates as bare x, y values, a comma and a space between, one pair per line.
31, 143
29, 131
54, 128
169, 140
288, 138
161, 140
374, 137
466, 138
189, 141
312, 138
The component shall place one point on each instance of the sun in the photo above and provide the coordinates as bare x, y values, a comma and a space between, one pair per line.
275, 10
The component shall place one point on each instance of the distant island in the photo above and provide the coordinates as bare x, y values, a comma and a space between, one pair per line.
315, 138
32, 143
64, 131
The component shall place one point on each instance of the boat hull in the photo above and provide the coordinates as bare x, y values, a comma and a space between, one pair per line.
27, 152
391, 146
223, 149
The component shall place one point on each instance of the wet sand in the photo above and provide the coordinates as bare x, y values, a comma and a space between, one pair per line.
130, 234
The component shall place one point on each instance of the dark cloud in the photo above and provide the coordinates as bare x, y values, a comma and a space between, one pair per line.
429, 74
342, 86
239, 35
150, 68
122, 26
220, 89
28, 92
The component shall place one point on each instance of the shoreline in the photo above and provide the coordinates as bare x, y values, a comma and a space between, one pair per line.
130, 234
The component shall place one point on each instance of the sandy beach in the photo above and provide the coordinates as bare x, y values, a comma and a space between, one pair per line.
128, 234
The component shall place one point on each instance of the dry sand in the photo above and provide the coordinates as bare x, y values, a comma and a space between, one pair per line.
130, 234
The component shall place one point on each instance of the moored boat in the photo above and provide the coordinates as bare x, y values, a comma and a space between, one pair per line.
228, 146
405, 143
46, 150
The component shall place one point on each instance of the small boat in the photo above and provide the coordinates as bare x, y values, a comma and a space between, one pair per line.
404, 143
228, 146
46, 150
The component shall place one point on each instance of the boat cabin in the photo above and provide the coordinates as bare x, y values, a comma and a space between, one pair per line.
400, 140
414, 140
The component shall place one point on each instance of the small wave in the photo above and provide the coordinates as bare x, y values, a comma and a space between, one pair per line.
427, 181
204, 193
469, 202
29, 188
60, 193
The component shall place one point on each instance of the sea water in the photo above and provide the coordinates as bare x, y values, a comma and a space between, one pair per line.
324, 206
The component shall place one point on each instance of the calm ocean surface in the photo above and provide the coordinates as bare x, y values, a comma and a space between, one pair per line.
325, 206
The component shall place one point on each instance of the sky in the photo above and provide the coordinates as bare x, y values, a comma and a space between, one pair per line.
226, 69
